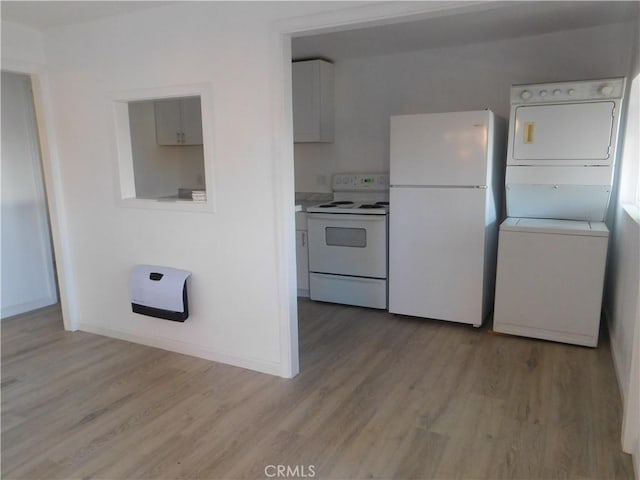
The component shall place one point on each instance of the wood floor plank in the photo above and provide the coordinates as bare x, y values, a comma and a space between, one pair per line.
566, 454
378, 396
74, 411
520, 443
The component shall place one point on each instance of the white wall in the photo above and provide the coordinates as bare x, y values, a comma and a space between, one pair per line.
233, 312
28, 277
161, 170
369, 90
20, 43
622, 302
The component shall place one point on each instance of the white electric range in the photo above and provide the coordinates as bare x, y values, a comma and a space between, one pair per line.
348, 237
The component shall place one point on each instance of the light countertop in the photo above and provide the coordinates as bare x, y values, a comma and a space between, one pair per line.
304, 200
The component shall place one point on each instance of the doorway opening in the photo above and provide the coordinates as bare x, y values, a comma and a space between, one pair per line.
29, 278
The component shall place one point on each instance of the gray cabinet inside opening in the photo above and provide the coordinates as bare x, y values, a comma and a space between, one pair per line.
178, 121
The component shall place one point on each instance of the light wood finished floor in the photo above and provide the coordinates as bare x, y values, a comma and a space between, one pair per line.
379, 396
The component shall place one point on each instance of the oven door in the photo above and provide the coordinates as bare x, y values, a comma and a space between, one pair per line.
348, 244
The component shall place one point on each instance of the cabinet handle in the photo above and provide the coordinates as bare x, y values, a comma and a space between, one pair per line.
304, 239
177, 137
182, 135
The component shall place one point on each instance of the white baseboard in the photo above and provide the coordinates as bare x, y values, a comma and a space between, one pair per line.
616, 361
186, 348
12, 310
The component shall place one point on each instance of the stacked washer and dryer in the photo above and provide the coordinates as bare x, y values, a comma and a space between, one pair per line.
553, 246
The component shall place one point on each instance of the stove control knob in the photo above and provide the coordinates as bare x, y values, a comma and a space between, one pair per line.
606, 89
557, 92
543, 93
571, 91
525, 95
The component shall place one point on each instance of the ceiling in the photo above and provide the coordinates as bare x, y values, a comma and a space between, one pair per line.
43, 15
480, 22
490, 21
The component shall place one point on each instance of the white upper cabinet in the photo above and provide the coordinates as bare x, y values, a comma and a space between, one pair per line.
312, 101
178, 121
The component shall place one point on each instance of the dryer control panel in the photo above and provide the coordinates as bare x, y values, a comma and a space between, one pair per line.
563, 92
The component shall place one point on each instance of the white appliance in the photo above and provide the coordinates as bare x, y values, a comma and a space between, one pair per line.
561, 150
348, 242
552, 252
446, 179
550, 278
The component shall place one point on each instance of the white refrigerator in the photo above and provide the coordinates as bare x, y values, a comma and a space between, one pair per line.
446, 179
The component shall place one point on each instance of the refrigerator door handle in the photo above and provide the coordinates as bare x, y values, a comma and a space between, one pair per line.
482, 187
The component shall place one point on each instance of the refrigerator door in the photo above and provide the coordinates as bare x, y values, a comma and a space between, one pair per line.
437, 253
441, 149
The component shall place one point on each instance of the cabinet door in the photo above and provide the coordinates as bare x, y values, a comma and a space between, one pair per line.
302, 261
312, 89
306, 101
191, 116
168, 129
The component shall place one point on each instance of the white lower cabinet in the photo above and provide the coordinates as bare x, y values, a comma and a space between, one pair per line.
302, 254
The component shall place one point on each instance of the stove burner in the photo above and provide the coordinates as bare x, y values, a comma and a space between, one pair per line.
342, 202
386, 204
368, 206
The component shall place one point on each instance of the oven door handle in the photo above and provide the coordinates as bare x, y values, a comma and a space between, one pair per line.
347, 216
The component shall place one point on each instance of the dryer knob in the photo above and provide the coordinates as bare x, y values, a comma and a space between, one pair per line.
525, 95
606, 89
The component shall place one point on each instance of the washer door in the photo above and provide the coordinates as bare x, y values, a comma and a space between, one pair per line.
569, 134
